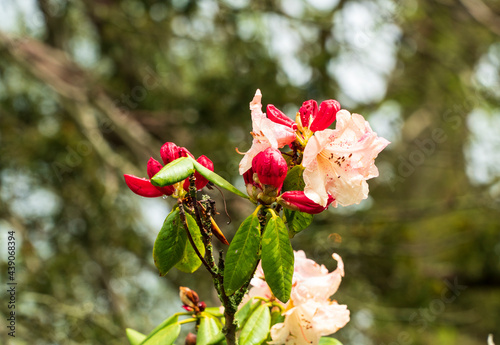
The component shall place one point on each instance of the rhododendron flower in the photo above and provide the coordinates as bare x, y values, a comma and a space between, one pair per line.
338, 162
265, 132
169, 152
309, 314
298, 201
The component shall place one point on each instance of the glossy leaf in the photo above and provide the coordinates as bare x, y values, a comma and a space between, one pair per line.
242, 255
134, 337
277, 317
167, 322
277, 258
214, 311
244, 312
190, 262
297, 221
170, 243
294, 179
329, 341
165, 336
174, 172
257, 327
216, 179
208, 331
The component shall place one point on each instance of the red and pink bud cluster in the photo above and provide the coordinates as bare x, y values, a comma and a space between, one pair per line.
263, 167
337, 162
169, 152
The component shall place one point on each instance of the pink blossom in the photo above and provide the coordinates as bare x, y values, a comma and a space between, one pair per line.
265, 132
338, 162
310, 313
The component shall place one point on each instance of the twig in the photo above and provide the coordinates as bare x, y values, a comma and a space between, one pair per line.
183, 219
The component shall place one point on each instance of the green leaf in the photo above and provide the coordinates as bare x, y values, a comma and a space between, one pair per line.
329, 341
134, 337
173, 172
277, 258
277, 317
170, 243
297, 221
214, 311
208, 331
294, 179
190, 262
167, 322
244, 312
242, 254
218, 339
257, 327
165, 336
217, 179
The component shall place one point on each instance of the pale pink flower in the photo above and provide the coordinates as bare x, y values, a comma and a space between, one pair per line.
338, 162
265, 132
309, 314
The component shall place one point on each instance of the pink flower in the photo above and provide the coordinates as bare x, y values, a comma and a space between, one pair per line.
309, 314
298, 201
338, 162
265, 132
271, 167
169, 152
317, 120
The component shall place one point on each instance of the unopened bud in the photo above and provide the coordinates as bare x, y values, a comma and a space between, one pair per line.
308, 112
325, 116
189, 297
170, 152
277, 116
270, 167
298, 201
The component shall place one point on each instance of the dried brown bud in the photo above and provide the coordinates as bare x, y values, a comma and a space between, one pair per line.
189, 297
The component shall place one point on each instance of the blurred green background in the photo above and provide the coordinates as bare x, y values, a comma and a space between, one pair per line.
90, 90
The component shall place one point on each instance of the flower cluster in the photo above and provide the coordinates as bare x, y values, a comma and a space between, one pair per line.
336, 162
310, 313
169, 152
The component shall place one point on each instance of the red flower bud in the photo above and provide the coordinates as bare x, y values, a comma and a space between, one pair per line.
298, 201
277, 116
200, 180
248, 177
271, 167
308, 112
170, 152
142, 186
325, 116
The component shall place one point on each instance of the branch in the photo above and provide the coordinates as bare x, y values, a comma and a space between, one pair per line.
483, 14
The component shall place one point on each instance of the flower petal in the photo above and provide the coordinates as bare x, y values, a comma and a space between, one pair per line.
141, 186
